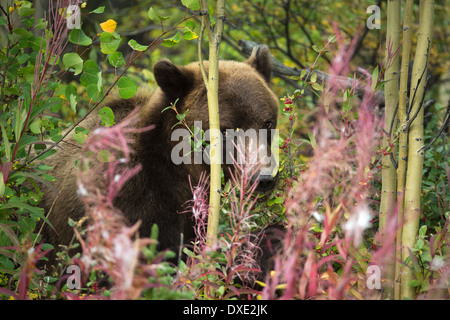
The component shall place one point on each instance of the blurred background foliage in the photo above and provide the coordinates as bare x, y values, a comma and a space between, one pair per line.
289, 27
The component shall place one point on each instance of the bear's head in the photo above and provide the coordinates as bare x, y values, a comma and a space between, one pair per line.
248, 113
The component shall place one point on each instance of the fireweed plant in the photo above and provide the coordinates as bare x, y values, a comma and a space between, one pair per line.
330, 249
108, 243
121, 264
230, 269
329, 209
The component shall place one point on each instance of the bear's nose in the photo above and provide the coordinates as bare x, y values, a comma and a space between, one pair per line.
266, 182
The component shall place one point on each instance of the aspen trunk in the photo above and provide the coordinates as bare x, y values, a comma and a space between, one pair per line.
415, 142
212, 85
389, 188
402, 141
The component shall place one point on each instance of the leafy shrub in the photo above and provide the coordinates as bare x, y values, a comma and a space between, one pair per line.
33, 98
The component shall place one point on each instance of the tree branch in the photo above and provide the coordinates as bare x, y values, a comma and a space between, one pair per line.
443, 127
279, 69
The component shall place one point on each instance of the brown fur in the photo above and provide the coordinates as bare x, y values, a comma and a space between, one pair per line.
157, 193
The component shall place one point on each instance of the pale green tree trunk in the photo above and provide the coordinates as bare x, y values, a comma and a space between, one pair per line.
415, 142
212, 85
402, 141
388, 172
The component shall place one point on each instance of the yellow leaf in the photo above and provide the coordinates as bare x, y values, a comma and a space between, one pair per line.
109, 26
11, 9
83, 5
281, 286
262, 284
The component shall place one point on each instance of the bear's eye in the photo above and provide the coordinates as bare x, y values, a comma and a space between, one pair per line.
268, 124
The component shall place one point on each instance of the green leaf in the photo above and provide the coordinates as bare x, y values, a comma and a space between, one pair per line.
316, 49
98, 10
317, 87
77, 36
191, 4
331, 38
170, 42
312, 140
41, 24
189, 34
23, 58
154, 234
426, 255
80, 134
414, 283
109, 43
16, 203
276, 200
181, 116
5, 142
221, 291
107, 116
152, 14
423, 231
136, 46
91, 74
94, 92
127, 87
25, 11
116, 59
18, 123
2, 185
25, 141
104, 156
73, 60
47, 154
35, 126
303, 73
190, 25
169, 255
345, 96
419, 244
72, 96
374, 78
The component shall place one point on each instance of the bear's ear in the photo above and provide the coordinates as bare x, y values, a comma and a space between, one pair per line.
172, 80
261, 60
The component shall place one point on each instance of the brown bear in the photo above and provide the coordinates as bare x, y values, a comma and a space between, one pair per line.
157, 193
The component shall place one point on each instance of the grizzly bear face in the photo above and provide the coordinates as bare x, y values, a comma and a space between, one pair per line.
248, 113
